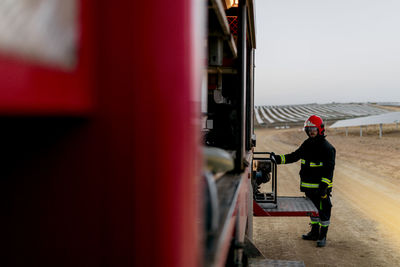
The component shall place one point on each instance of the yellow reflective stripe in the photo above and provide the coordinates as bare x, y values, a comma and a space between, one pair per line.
313, 164
308, 185
325, 223
283, 160
327, 181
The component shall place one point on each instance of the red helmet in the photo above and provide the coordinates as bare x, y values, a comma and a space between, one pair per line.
315, 121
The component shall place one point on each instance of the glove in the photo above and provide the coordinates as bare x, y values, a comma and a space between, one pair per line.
323, 191
273, 157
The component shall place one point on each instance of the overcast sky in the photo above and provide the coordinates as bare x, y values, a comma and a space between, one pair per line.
323, 51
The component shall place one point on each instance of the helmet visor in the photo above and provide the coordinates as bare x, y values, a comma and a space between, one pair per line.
311, 129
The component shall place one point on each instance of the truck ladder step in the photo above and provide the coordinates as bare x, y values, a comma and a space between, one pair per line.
286, 206
274, 263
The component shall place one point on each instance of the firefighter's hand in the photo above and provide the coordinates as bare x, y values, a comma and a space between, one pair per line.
323, 192
272, 155
275, 158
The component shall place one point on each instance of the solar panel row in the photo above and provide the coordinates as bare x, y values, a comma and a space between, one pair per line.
391, 117
289, 114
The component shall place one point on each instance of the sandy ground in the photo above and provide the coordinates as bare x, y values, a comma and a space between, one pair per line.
365, 223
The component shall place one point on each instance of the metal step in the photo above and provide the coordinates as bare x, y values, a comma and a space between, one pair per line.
274, 263
286, 206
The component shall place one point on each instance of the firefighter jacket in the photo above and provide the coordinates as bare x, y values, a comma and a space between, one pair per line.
317, 157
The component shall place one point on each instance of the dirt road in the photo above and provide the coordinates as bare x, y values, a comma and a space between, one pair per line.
365, 223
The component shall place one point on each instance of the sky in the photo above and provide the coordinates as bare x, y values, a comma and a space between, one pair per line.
324, 51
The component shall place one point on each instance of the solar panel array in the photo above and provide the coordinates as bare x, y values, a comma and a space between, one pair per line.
392, 117
296, 114
393, 104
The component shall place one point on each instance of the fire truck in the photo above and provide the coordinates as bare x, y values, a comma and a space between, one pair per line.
127, 134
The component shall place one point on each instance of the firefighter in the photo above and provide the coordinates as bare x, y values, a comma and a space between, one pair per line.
317, 158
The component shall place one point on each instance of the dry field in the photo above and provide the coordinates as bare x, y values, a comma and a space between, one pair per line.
365, 223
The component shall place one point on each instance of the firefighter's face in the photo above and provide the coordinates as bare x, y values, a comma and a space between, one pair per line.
312, 131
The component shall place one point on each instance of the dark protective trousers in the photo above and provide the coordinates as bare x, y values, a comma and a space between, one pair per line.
324, 207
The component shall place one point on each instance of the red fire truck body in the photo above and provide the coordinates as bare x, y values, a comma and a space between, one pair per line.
103, 132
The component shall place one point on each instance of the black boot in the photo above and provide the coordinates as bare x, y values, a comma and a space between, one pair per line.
322, 237
313, 234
